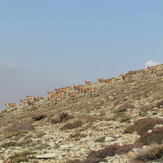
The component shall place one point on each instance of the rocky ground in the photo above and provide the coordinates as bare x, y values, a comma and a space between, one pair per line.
121, 122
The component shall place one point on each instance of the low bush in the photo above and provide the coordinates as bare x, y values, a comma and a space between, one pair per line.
72, 125
39, 117
143, 125
111, 150
63, 117
159, 104
21, 156
156, 136
101, 139
18, 128
73, 161
151, 153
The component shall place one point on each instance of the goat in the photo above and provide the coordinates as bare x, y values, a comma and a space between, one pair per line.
25, 101
50, 93
72, 95
108, 80
58, 89
91, 91
30, 97
31, 102
152, 68
88, 82
10, 104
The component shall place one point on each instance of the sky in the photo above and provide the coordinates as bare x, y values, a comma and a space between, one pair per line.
45, 44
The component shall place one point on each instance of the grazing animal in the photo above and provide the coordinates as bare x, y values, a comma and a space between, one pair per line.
51, 98
31, 102
84, 90
50, 93
10, 104
36, 98
79, 87
30, 97
65, 89
58, 90
72, 95
145, 71
88, 82
152, 68
91, 91
25, 101
70, 87
61, 94
108, 80
101, 80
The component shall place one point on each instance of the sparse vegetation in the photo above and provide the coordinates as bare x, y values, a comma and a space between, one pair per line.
156, 136
21, 156
18, 129
111, 150
72, 125
150, 153
101, 139
39, 117
143, 125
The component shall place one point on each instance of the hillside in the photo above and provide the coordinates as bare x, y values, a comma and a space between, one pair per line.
116, 121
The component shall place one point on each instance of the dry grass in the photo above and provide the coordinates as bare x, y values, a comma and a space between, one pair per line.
18, 129
72, 125
150, 153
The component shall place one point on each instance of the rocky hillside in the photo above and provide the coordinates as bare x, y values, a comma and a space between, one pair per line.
119, 121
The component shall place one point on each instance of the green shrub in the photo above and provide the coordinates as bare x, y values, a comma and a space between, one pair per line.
101, 139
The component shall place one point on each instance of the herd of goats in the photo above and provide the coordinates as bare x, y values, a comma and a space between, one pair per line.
72, 91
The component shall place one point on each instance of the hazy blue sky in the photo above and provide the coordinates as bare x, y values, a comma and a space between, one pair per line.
52, 43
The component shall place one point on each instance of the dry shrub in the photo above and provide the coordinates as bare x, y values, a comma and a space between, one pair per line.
100, 155
126, 148
18, 128
63, 117
131, 73
74, 161
88, 118
146, 107
39, 117
156, 136
151, 153
101, 139
1, 115
21, 157
77, 135
143, 125
72, 125
159, 104
111, 150
124, 107
10, 144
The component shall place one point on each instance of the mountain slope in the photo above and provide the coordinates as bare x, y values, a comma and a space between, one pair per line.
72, 127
